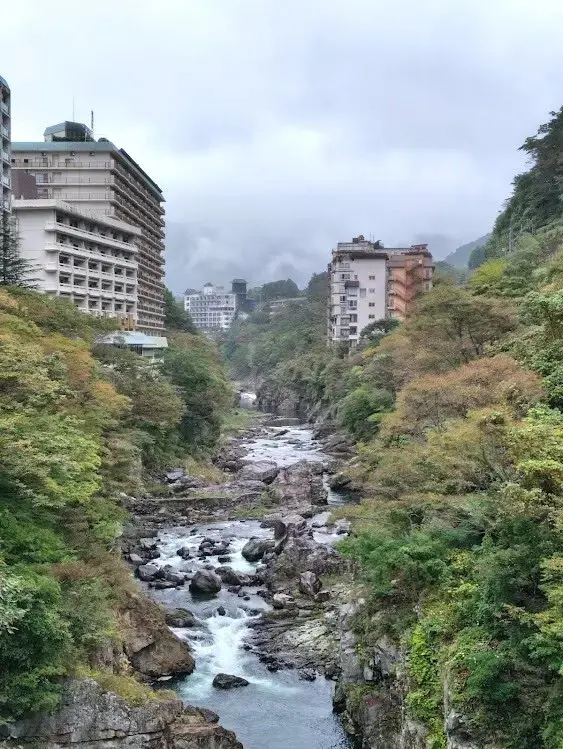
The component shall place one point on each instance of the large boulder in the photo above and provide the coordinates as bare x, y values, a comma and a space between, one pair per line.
180, 618
226, 681
265, 471
309, 583
205, 582
255, 548
152, 649
300, 483
303, 554
147, 572
230, 577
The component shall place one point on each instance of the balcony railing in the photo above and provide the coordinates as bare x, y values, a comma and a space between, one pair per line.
4, 132
6, 181
6, 156
4, 107
49, 163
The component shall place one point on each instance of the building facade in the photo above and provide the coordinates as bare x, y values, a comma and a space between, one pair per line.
212, 308
104, 181
90, 260
409, 274
5, 149
369, 282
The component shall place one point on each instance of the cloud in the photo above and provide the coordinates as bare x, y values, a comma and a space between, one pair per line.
278, 128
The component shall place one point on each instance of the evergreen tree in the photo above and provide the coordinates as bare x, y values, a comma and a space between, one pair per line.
175, 317
14, 270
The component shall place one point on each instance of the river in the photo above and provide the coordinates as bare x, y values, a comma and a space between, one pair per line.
276, 710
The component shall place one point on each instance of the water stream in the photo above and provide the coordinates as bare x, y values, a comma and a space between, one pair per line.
277, 710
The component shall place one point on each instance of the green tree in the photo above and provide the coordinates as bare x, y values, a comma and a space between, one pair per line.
14, 269
175, 316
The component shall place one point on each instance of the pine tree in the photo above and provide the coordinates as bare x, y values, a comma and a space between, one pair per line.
14, 269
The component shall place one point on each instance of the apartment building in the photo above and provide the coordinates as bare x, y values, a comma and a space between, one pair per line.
5, 163
409, 274
212, 308
369, 282
102, 180
90, 260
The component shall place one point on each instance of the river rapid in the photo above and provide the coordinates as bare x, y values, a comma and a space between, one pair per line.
276, 710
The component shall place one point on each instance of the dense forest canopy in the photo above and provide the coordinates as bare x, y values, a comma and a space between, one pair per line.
80, 423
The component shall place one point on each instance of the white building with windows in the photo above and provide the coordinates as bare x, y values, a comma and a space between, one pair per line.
358, 281
212, 308
5, 156
88, 259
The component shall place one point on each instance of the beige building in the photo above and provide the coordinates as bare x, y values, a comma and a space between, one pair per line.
102, 180
369, 282
91, 261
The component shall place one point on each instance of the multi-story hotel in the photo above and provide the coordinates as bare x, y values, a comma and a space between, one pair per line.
213, 308
103, 182
90, 260
5, 163
369, 282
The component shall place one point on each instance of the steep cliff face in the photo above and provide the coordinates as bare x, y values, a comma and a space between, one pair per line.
372, 695
90, 718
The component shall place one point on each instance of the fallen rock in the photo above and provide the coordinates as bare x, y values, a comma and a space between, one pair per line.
283, 601
152, 649
321, 520
147, 572
304, 554
227, 681
205, 582
230, 577
136, 560
180, 618
309, 583
339, 481
264, 471
255, 548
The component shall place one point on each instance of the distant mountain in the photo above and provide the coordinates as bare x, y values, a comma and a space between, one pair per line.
460, 257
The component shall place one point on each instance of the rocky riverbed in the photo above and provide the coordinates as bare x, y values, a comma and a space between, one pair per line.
248, 575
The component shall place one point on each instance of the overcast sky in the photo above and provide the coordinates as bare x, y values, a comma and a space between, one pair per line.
278, 127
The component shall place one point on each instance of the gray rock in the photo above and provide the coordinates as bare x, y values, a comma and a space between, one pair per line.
205, 582
180, 618
147, 572
255, 548
221, 610
147, 544
135, 559
309, 583
230, 577
283, 601
227, 681
265, 471
174, 475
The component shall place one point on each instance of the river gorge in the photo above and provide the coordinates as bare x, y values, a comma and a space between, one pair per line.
288, 699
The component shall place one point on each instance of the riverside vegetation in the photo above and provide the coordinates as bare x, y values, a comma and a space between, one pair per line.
81, 423
458, 416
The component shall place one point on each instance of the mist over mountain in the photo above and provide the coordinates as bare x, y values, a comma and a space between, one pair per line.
460, 257
197, 253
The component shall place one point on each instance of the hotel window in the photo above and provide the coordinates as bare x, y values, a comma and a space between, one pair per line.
372, 291
372, 304
372, 278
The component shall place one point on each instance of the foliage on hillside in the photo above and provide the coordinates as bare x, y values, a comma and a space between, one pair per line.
535, 202
459, 418
78, 424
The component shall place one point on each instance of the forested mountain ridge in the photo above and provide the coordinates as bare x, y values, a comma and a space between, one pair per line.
458, 415
459, 258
